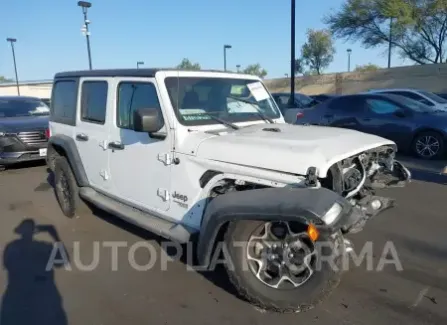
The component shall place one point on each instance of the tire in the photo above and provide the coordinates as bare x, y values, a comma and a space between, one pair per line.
66, 188
430, 138
298, 299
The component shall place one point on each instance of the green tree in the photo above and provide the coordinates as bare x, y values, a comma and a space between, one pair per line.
299, 66
186, 64
418, 28
318, 52
3, 79
367, 67
255, 69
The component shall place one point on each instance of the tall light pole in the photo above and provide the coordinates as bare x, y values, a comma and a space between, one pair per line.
12, 41
139, 63
292, 53
226, 46
85, 5
349, 59
390, 45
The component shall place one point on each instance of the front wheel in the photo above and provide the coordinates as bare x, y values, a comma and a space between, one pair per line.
277, 266
428, 145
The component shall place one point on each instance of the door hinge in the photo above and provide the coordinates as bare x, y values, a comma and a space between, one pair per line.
165, 158
163, 193
104, 175
103, 144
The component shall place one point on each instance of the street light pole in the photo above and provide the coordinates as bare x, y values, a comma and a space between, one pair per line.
12, 41
292, 52
349, 59
226, 46
139, 63
238, 66
85, 5
389, 45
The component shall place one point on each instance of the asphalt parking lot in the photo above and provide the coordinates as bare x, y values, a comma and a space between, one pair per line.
123, 295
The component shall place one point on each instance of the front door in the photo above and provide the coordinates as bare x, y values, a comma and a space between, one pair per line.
387, 119
92, 130
139, 170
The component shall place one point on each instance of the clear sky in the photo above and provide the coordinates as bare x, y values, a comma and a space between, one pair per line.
161, 33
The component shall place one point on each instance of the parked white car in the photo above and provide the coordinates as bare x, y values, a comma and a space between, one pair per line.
292, 111
422, 96
207, 157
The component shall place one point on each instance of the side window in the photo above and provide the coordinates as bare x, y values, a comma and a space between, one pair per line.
63, 102
133, 96
379, 106
94, 101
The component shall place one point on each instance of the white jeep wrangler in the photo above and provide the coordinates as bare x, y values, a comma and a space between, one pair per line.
206, 157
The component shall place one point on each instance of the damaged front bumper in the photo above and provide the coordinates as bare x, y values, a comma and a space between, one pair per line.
353, 219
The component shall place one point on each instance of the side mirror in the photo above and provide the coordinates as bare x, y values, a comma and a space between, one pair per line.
147, 120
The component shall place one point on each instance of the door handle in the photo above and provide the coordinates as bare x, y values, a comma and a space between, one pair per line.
82, 137
116, 146
367, 119
328, 116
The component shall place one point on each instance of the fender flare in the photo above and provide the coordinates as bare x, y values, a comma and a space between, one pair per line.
306, 205
68, 145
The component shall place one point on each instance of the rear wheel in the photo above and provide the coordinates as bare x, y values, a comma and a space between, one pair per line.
66, 188
276, 266
428, 145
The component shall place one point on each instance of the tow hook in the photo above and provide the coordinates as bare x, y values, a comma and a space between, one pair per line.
311, 177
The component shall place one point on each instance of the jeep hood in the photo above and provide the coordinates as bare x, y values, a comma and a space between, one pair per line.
283, 147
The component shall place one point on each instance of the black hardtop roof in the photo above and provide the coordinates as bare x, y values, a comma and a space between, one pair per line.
149, 73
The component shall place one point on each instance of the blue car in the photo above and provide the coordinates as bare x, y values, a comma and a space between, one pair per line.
415, 127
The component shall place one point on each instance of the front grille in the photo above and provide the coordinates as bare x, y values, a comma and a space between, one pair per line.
33, 137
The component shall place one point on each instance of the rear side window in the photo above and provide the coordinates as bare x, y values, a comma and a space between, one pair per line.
133, 96
94, 101
63, 102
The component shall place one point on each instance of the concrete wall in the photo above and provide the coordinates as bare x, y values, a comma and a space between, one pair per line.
35, 89
431, 77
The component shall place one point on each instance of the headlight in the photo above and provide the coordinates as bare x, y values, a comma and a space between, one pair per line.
332, 214
2, 134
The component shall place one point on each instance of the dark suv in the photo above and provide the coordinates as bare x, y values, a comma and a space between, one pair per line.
23, 129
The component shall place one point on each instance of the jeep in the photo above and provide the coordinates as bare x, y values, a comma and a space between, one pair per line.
205, 157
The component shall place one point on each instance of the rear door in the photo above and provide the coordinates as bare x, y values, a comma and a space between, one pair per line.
345, 112
92, 130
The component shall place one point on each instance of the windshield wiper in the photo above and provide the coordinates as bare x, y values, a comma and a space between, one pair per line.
262, 115
231, 125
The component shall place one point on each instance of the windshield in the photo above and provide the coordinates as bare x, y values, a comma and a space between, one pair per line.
196, 100
15, 107
412, 104
433, 97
